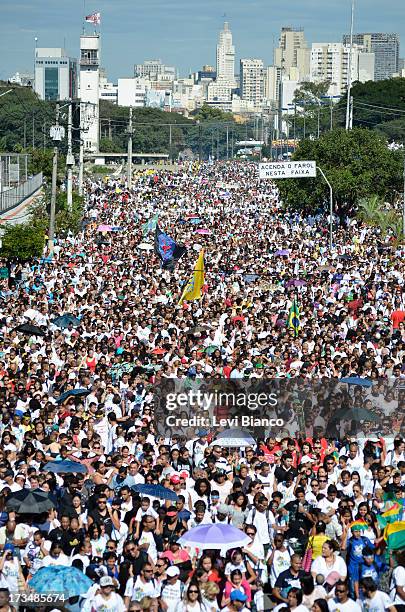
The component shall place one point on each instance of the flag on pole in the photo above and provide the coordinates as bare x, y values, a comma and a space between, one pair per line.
167, 249
394, 535
391, 515
193, 288
150, 225
294, 318
94, 18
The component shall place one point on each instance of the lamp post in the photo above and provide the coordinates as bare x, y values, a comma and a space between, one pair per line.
330, 209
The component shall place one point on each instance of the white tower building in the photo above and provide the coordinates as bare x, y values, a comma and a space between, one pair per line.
226, 57
90, 89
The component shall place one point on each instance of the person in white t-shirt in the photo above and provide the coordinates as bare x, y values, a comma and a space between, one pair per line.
373, 600
106, 599
144, 585
342, 602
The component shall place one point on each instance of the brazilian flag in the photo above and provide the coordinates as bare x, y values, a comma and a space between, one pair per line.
294, 318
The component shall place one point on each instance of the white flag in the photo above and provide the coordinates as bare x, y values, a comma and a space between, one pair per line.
94, 18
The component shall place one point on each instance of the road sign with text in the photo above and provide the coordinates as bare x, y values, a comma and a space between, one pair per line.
290, 169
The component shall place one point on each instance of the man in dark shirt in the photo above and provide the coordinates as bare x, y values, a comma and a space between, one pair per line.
285, 468
288, 579
299, 517
102, 514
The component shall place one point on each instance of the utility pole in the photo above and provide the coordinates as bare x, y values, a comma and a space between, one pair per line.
227, 141
403, 208
129, 165
55, 134
170, 142
349, 71
351, 114
25, 132
33, 130
81, 151
69, 160
199, 141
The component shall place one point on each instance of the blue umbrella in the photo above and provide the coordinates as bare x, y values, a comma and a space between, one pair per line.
72, 393
281, 253
68, 581
64, 320
65, 467
355, 380
250, 278
195, 221
155, 491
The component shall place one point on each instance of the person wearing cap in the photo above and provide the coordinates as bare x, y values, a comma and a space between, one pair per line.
172, 525
197, 446
354, 547
237, 601
172, 590
105, 599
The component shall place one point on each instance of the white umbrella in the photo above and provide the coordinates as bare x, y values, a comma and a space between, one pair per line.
145, 246
32, 314
215, 536
234, 438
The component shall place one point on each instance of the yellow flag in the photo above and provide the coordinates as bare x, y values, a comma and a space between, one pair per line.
192, 290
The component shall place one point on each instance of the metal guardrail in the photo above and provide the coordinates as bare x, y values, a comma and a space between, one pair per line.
13, 197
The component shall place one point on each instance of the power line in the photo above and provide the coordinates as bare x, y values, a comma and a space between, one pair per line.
384, 108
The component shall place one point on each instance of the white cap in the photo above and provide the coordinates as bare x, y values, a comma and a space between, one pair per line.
106, 581
172, 571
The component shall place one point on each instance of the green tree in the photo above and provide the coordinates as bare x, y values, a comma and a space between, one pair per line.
23, 241
357, 163
378, 105
210, 113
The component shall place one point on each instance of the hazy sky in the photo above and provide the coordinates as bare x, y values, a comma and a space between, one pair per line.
181, 33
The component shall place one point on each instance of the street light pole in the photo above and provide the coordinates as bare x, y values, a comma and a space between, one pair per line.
349, 71
330, 209
403, 208
129, 160
51, 232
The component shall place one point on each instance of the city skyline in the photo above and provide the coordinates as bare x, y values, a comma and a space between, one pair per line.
132, 34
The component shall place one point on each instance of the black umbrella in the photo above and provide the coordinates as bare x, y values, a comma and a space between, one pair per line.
72, 393
30, 330
27, 501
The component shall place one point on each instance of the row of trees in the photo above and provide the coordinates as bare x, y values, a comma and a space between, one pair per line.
363, 172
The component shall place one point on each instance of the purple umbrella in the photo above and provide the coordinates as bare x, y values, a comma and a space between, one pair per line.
215, 536
296, 282
203, 231
281, 253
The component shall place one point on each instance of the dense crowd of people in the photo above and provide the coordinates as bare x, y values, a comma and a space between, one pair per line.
90, 336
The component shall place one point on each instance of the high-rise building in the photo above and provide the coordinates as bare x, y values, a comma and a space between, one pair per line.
55, 74
272, 78
90, 89
330, 62
155, 70
385, 48
252, 81
293, 52
226, 56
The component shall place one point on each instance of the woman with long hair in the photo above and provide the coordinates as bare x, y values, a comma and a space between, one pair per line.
192, 600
